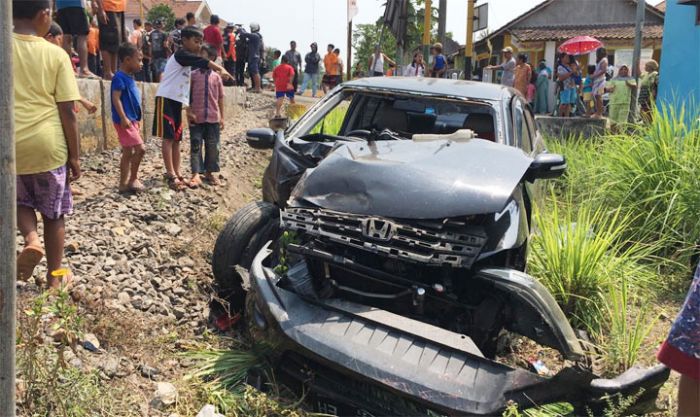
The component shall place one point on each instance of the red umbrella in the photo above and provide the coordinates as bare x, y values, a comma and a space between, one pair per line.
580, 45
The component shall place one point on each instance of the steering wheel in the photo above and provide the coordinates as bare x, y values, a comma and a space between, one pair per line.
362, 133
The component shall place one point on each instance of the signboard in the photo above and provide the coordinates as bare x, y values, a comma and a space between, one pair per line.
481, 17
624, 57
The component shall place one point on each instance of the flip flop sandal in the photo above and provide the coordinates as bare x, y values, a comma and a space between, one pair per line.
175, 184
27, 261
194, 184
213, 181
65, 279
137, 189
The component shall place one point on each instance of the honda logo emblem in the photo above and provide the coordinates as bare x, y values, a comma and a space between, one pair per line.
378, 229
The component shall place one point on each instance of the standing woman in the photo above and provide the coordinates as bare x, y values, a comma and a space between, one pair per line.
621, 88
417, 68
542, 86
649, 85
376, 62
567, 95
599, 81
523, 75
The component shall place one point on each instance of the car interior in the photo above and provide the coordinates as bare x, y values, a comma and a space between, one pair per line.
416, 116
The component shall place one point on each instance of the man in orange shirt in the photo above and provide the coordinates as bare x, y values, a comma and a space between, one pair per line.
112, 32
93, 47
330, 62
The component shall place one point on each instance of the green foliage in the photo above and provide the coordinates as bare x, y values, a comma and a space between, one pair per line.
333, 122
549, 410
366, 36
579, 254
163, 12
47, 384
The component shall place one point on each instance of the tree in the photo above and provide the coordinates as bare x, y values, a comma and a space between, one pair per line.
164, 13
365, 37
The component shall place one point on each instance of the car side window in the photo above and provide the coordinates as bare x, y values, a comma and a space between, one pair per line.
532, 129
523, 139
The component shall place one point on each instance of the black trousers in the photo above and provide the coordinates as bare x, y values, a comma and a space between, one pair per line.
230, 67
240, 73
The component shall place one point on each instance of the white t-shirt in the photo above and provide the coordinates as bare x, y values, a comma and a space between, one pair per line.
378, 63
175, 81
412, 71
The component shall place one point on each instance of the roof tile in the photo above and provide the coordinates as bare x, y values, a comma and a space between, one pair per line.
599, 32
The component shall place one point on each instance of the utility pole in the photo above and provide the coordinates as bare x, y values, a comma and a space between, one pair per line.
469, 44
8, 217
636, 57
427, 23
442, 22
349, 53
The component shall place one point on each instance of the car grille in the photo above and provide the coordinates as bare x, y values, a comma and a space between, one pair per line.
439, 244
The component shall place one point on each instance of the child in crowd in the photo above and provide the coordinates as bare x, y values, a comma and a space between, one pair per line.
174, 91
277, 59
47, 139
588, 90
126, 115
206, 117
439, 62
55, 36
93, 46
283, 76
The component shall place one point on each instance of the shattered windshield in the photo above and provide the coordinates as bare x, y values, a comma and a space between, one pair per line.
359, 114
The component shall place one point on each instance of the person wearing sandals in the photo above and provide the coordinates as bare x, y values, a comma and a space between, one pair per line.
126, 115
206, 117
47, 138
174, 92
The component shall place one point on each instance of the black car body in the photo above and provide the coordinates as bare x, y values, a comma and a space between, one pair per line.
402, 256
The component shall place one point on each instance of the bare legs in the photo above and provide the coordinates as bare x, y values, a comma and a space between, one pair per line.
688, 397
129, 168
598, 106
171, 159
54, 238
110, 65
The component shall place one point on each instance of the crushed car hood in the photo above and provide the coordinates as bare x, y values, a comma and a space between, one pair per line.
414, 180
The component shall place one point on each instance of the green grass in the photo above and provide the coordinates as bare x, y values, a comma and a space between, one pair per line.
332, 123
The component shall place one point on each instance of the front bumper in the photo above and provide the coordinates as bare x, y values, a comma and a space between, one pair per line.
384, 364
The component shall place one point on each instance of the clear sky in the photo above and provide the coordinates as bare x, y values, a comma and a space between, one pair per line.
324, 21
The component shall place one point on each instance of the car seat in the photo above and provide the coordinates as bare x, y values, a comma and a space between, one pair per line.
482, 125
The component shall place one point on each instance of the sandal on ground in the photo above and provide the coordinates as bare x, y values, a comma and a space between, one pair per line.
195, 183
212, 180
27, 261
175, 183
64, 279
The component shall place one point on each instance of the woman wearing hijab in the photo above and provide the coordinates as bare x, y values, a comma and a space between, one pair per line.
542, 88
648, 87
621, 88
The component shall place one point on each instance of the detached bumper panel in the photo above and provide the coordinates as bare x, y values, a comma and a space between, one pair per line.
350, 345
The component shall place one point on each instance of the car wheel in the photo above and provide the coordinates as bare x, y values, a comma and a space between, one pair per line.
239, 241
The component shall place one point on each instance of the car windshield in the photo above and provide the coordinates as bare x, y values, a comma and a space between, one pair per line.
404, 115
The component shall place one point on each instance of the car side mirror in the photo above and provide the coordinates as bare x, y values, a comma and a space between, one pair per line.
261, 138
546, 166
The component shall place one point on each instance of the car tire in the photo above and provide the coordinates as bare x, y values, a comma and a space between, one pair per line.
245, 233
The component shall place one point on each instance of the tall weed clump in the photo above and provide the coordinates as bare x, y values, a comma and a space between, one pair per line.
580, 253
653, 174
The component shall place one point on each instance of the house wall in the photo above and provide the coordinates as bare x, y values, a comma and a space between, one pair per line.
677, 85
586, 12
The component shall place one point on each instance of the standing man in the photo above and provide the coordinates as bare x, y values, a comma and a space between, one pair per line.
73, 20
311, 71
341, 67
212, 35
294, 60
175, 36
255, 48
330, 64
508, 67
241, 55
191, 20
146, 51
159, 50
229, 51
112, 32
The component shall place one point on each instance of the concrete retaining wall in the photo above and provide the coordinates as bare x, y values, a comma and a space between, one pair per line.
564, 127
97, 130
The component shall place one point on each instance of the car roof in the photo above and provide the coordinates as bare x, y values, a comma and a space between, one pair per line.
435, 86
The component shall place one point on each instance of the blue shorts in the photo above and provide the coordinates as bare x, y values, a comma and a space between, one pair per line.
253, 66
568, 96
288, 94
159, 64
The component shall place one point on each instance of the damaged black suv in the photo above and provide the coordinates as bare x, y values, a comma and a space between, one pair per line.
388, 256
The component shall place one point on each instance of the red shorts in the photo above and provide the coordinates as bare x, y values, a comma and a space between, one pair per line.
131, 136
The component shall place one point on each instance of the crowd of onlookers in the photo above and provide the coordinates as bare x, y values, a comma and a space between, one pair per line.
599, 90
